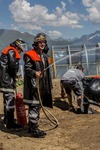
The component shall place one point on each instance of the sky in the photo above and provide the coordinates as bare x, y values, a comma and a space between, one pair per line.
56, 18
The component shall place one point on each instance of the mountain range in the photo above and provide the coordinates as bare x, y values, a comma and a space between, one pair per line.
8, 36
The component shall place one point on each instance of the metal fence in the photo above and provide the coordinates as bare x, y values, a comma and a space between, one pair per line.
64, 57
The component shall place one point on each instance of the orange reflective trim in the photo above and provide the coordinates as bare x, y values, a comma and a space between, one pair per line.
33, 54
5, 51
96, 76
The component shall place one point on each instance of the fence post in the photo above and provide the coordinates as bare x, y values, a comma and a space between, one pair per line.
87, 62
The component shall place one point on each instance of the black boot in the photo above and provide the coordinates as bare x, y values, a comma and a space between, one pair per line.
10, 122
71, 108
86, 107
35, 132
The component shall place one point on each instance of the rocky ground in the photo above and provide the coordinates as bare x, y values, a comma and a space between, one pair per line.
74, 132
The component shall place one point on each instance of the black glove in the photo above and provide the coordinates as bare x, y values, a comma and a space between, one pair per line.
86, 81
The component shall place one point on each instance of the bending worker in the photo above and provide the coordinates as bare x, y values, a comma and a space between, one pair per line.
9, 65
36, 61
72, 81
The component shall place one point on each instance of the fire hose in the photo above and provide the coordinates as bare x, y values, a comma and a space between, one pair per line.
54, 120
21, 110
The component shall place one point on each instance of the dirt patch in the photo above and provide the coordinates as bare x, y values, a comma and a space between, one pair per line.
75, 132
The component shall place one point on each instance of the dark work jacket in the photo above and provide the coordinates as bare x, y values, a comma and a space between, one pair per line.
9, 64
33, 63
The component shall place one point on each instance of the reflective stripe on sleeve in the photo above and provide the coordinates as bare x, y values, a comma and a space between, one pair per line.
31, 101
6, 90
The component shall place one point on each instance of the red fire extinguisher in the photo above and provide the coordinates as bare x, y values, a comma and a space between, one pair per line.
20, 110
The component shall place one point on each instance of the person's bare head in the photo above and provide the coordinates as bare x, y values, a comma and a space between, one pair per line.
80, 67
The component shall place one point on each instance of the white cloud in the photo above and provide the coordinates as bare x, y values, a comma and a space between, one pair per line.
54, 34
26, 26
35, 17
14, 27
93, 9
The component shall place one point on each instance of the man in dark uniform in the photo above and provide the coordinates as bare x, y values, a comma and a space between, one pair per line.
36, 62
9, 65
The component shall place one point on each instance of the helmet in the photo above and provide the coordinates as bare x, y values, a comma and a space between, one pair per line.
20, 44
40, 37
